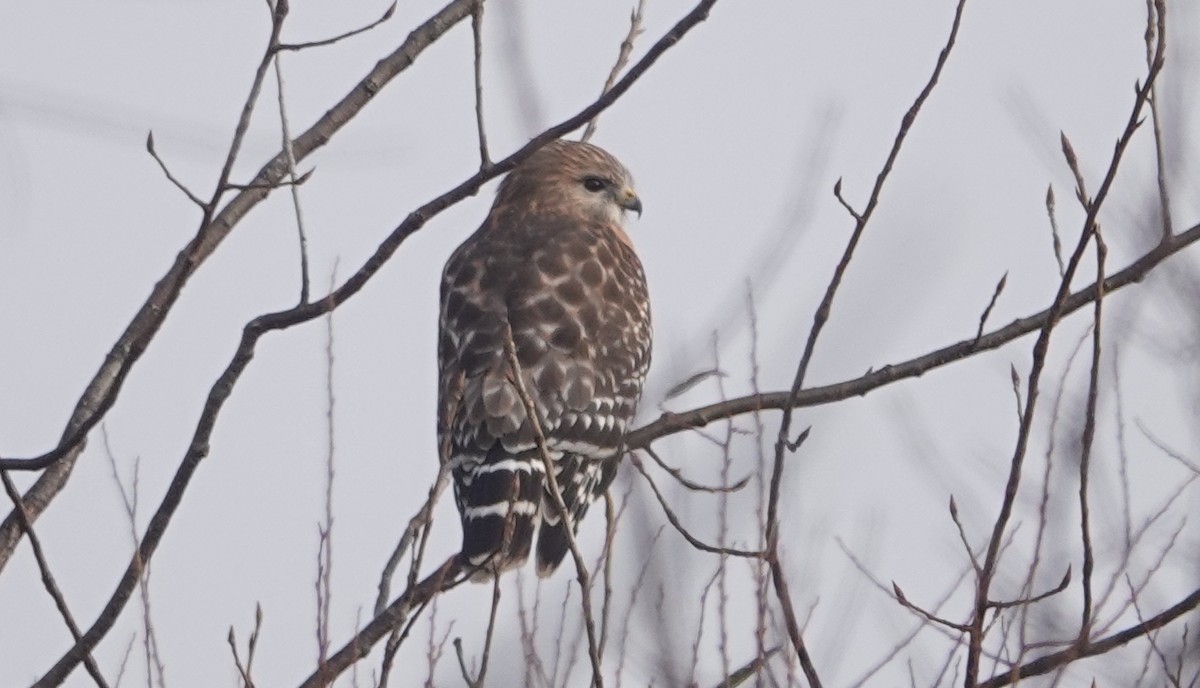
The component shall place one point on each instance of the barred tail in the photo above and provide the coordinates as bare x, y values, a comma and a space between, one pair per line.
581, 481
500, 502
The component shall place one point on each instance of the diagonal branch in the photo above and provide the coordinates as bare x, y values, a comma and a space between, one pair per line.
819, 319
672, 423
48, 581
1077, 651
674, 520
581, 571
635, 29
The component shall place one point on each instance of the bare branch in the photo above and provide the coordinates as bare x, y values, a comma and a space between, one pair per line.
837, 193
1015, 377
962, 535
415, 525
477, 681
635, 30
48, 581
928, 616
1155, 20
1089, 434
991, 304
394, 616
1073, 164
1057, 660
1054, 229
293, 182
1024, 601
387, 14
246, 671
170, 177
324, 582
695, 487
1187, 463
581, 571
129, 500
819, 319
674, 520
485, 160
747, 670
672, 423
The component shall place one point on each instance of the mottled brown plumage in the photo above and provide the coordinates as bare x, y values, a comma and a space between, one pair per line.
553, 263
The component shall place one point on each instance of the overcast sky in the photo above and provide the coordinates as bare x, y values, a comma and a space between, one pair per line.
736, 138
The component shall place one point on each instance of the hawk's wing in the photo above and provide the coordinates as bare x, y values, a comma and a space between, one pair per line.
575, 298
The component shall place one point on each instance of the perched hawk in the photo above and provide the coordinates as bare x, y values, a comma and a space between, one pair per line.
553, 265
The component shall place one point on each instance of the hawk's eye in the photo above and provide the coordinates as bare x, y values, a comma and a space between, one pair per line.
594, 184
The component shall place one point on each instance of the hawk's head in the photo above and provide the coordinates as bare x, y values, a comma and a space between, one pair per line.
572, 177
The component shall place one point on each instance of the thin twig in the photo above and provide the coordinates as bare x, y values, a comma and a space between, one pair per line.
39, 555
674, 520
928, 616
837, 193
1154, 39
819, 319
1193, 466
394, 616
477, 681
485, 161
130, 501
246, 671
1026, 601
324, 582
635, 30
290, 156
962, 535
921, 625
411, 531
1015, 377
1152, 637
340, 37
1054, 230
612, 516
1089, 434
125, 660
279, 12
747, 670
272, 185
170, 177
491, 627
560, 506
1043, 512
991, 304
694, 486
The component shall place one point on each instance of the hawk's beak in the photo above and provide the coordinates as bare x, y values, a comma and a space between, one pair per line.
630, 201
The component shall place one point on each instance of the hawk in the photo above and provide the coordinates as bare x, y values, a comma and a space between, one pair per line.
553, 266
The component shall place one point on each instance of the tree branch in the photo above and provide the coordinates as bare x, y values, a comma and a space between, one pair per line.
672, 423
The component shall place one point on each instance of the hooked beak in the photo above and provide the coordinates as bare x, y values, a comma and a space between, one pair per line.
630, 201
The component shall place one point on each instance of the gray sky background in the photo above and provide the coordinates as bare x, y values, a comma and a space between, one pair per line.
736, 138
